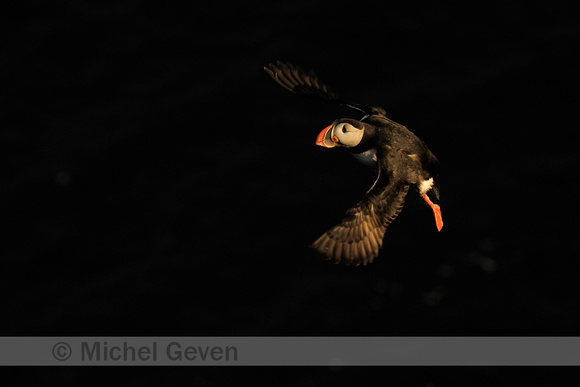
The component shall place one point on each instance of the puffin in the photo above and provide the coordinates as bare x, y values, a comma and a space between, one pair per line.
400, 158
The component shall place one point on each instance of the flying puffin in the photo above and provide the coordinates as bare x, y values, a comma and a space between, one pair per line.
400, 158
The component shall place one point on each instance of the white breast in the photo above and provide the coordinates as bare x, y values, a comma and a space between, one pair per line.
367, 157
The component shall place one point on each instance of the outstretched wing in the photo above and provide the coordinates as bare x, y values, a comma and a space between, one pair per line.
358, 238
298, 81
307, 84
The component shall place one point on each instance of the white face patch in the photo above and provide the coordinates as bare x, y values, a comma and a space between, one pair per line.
347, 135
425, 186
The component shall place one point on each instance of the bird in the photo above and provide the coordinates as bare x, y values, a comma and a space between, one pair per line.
400, 158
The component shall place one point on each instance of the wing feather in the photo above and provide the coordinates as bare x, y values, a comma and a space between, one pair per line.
298, 81
307, 84
357, 239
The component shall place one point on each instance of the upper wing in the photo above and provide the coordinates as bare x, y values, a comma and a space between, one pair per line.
307, 84
358, 238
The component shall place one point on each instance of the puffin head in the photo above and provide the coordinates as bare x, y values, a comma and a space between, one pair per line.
343, 132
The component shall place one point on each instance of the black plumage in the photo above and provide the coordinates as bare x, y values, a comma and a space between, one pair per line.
399, 156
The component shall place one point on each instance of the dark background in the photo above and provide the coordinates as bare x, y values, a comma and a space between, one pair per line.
157, 182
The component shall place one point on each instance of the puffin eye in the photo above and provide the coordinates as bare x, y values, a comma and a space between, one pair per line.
343, 129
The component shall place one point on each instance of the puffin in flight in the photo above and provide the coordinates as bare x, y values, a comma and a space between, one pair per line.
400, 158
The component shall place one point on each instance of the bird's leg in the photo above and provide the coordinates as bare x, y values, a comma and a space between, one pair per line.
436, 211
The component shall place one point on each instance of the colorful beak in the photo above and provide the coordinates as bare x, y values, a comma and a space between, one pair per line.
325, 138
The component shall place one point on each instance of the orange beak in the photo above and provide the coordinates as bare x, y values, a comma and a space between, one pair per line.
325, 138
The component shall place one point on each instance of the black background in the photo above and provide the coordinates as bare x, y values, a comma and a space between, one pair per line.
157, 182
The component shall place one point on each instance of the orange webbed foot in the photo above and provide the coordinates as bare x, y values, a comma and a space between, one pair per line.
436, 211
